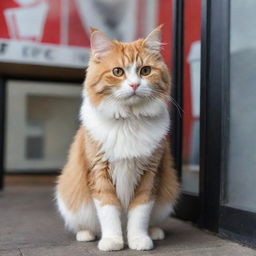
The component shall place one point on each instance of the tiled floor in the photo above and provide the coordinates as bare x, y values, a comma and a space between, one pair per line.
30, 226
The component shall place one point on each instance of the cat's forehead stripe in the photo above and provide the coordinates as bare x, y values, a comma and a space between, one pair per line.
130, 54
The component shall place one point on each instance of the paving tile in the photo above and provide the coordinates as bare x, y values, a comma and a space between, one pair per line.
234, 250
64, 250
10, 252
31, 225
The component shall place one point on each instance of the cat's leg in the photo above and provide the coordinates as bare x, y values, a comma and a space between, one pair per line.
83, 221
111, 230
166, 196
138, 222
139, 215
159, 214
108, 209
156, 233
73, 196
85, 236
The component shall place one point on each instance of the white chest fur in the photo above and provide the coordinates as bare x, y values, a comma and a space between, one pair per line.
125, 138
125, 175
127, 141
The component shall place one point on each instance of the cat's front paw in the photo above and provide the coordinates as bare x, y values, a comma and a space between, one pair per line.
85, 235
111, 243
142, 243
156, 233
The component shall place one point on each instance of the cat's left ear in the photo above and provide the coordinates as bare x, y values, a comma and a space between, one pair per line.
153, 40
100, 44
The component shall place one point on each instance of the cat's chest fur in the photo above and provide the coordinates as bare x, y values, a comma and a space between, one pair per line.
125, 138
127, 143
125, 176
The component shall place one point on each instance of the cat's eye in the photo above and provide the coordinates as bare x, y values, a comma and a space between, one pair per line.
145, 71
118, 71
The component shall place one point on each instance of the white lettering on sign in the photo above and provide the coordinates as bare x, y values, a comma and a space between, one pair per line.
43, 54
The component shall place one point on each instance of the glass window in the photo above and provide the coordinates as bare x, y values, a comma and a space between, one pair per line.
42, 119
242, 141
191, 96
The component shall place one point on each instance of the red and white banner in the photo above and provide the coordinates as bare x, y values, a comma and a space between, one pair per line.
56, 32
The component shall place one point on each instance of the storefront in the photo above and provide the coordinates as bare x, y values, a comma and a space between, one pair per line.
210, 51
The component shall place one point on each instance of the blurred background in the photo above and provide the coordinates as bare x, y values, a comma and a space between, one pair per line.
44, 50
41, 116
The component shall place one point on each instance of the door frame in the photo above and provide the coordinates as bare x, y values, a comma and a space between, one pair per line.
2, 129
214, 106
232, 223
188, 207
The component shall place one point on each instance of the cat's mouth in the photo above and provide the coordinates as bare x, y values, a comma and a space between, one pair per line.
138, 94
134, 99
135, 96
131, 95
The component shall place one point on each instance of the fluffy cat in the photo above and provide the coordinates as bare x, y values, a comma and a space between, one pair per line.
119, 175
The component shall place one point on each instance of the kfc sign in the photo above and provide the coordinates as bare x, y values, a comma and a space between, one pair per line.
56, 32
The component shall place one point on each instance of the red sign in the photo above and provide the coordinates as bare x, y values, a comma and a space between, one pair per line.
54, 22
56, 32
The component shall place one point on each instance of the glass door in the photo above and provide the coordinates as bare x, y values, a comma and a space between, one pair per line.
187, 82
191, 97
228, 120
238, 206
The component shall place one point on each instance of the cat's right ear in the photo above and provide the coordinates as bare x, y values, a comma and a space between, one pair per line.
100, 44
153, 40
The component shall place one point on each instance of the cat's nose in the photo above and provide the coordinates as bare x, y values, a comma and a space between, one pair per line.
134, 86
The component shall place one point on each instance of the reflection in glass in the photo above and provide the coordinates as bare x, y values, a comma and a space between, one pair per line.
241, 187
191, 97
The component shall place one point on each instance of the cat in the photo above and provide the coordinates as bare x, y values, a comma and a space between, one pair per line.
119, 175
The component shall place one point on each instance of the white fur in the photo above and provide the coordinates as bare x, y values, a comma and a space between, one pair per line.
125, 175
137, 227
111, 243
84, 219
160, 213
125, 137
128, 135
111, 229
85, 236
156, 233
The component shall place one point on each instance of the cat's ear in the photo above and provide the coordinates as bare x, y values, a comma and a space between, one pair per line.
100, 44
153, 40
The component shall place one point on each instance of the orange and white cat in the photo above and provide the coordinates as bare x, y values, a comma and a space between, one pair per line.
119, 175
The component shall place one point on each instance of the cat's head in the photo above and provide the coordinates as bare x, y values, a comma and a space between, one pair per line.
127, 73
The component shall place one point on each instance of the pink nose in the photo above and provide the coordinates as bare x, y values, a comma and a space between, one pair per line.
134, 86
